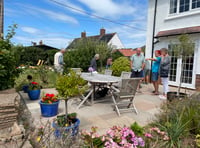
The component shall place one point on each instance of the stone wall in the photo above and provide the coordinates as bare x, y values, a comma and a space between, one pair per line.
15, 120
197, 83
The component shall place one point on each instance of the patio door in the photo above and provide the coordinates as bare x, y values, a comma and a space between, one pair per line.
175, 69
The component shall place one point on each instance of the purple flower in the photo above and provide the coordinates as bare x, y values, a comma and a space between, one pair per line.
90, 69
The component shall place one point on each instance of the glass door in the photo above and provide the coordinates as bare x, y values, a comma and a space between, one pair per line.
175, 69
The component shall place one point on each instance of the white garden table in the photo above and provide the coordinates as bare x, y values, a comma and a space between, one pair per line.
96, 79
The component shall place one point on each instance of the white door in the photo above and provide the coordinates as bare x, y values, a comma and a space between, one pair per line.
175, 70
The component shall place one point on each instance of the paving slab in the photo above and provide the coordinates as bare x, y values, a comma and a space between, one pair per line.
102, 114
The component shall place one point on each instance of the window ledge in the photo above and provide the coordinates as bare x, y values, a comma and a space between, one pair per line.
183, 14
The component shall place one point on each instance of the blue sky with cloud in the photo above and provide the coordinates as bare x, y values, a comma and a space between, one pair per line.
57, 24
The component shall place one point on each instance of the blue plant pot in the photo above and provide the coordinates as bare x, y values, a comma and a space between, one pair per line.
34, 94
25, 88
73, 129
49, 110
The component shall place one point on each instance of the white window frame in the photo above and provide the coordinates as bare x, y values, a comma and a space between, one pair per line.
193, 8
178, 8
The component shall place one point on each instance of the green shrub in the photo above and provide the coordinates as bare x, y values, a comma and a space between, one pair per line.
8, 70
137, 129
180, 120
31, 55
176, 129
121, 64
44, 76
116, 55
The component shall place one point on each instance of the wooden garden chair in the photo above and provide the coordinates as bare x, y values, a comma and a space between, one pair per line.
124, 98
77, 70
108, 72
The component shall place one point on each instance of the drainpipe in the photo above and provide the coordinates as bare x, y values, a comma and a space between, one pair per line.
154, 26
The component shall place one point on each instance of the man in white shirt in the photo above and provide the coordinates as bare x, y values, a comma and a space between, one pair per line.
58, 61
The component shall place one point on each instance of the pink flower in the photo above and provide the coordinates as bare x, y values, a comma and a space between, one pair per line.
162, 133
148, 135
166, 138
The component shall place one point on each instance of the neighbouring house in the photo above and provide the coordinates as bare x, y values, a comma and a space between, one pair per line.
167, 19
127, 52
110, 38
43, 46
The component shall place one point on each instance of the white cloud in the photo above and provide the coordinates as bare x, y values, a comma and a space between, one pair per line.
67, 3
54, 15
58, 16
109, 7
30, 30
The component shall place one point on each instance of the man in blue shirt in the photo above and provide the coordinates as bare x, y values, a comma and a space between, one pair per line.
155, 71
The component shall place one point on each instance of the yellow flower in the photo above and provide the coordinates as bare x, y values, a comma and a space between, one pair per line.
66, 125
38, 139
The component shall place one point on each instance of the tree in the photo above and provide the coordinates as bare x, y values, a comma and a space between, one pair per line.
83, 51
182, 50
104, 51
69, 86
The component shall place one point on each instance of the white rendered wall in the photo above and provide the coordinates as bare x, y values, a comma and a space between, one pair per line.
116, 42
166, 21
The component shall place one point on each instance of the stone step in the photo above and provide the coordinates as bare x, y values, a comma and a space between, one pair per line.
9, 116
8, 125
7, 112
2, 110
8, 120
7, 105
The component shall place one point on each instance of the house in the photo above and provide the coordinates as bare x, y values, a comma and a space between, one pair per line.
127, 52
167, 19
110, 38
43, 46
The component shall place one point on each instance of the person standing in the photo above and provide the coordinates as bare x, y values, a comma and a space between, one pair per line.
147, 70
58, 61
93, 62
137, 65
108, 63
155, 71
164, 71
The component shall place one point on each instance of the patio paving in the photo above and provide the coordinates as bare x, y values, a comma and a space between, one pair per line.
102, 114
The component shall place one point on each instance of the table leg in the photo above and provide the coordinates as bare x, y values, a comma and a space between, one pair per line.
89, 94
93, 94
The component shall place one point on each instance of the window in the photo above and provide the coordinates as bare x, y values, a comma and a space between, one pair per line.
195, 4
173, 6
184, 5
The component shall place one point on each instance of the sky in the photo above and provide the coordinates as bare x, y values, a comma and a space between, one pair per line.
58, 22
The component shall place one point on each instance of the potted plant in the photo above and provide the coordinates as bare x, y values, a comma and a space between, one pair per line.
49, 105
69, 86
34, 91
22, 83
63, 124
182, 50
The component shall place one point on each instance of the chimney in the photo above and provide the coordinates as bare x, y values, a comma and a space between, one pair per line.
102, 31
83, 34
34, 43
40, 43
